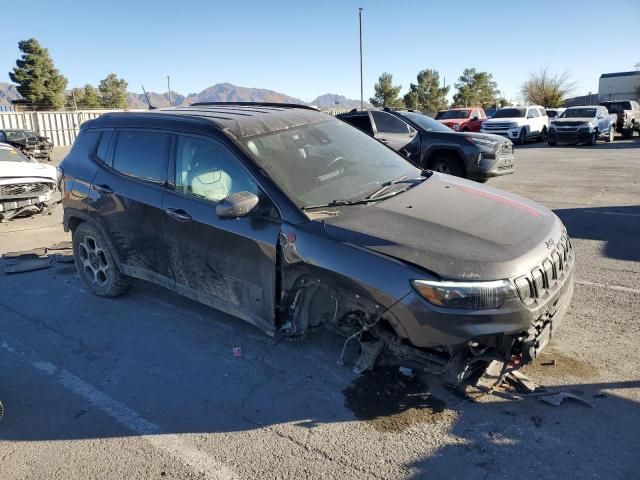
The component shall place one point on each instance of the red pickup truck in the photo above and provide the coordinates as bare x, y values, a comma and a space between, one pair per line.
462, 119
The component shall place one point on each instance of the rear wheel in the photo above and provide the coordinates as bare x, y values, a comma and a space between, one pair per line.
95, 263
522, 138
551, 143
543, 134
448, 165
612, 135
627, 133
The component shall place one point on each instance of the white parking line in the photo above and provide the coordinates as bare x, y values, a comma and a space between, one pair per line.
610, 287
150, 432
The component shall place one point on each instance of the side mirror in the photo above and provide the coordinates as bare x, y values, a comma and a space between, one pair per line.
475, 119
236, 205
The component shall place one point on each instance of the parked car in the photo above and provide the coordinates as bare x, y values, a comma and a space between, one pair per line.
583, 125
26, 186
554, 113
429, 144
628, 113
29, 143
462, 119
292, 220
518, 123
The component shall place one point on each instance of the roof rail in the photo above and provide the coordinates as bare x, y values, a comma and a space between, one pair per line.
253, 104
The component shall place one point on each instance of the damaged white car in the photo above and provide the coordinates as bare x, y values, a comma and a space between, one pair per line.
26, 186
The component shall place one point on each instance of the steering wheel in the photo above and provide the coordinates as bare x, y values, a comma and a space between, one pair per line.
331, 164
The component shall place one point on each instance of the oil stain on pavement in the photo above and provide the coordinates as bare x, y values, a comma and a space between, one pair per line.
392, 402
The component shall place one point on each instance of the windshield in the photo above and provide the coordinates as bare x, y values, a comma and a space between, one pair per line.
427, 124
452, 114
318, 163
510, 113
552, 113
19, 134
616, 107
9, 154
579, 113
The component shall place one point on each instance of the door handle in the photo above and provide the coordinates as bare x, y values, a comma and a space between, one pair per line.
104, 189
178, 214
383, 140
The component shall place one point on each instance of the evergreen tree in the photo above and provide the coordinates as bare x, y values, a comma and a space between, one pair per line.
39, 82
475, 89
113, 91
386, 93
427, 95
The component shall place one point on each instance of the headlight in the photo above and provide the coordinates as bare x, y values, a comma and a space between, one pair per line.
552, 126
466, 295
585, 126
513, 125
59, 177
483, 141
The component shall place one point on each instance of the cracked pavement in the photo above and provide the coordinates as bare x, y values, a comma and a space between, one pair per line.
146, 385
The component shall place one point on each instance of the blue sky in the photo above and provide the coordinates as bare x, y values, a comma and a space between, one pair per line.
304, 48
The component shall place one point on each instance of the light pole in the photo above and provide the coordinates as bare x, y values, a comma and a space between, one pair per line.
169, 90
361, 84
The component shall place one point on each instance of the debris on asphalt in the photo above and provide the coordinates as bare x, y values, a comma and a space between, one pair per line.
369, 353
27, 264
237, 352
38, 258
491, 376
550, 363
557, 398
521, 381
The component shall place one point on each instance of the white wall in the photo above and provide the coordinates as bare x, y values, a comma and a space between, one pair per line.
60, 127
618, 88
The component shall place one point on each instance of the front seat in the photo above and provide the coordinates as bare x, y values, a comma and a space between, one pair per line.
206, 179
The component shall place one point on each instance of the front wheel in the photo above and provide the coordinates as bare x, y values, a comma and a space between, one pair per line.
95, 263
446, 165
522, 138
551, 143
593, 138
627, 133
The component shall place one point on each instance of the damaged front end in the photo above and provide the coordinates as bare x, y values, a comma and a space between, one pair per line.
411, 333
25, 196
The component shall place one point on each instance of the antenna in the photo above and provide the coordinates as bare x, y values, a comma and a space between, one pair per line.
151, 107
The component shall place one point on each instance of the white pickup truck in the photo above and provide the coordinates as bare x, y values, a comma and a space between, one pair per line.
519, 123
583, 125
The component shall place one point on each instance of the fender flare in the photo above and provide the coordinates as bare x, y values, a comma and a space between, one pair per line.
72, 213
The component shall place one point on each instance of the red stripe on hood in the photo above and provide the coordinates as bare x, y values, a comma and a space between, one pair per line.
500, 199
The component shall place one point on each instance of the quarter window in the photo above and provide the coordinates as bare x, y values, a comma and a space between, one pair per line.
206, 169
533, 112
103, 146
85, 144
142, 155
360, 121
389, 124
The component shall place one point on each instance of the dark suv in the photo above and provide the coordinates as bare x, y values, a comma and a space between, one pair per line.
293, 220
429, 144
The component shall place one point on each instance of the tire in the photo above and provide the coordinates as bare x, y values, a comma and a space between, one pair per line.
551, 143
612, 135
522, 138
448, 165
593, 138
627, 133
95, 263
465, 129
543, 134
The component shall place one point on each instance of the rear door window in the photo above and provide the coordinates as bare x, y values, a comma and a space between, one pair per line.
386, 123
360, 121
142, 154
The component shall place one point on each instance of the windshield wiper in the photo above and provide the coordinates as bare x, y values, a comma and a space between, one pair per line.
403, 179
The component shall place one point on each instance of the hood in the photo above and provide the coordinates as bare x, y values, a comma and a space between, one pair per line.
572, 121
453, 228
453, 121
17, 170
504, 119
488, 136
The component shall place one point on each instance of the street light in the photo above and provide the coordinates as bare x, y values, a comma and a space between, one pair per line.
361, 84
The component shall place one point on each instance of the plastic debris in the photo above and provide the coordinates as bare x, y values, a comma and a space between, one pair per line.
556, 399
27, 264
406, 371
521, 381
237, 352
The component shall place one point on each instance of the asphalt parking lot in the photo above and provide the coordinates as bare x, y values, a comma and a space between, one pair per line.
147, 385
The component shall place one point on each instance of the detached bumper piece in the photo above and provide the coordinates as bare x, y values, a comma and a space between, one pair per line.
27, 198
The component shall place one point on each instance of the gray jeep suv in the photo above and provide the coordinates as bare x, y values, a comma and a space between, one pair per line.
293, 220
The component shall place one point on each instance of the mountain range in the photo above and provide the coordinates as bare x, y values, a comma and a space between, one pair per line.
220, 92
